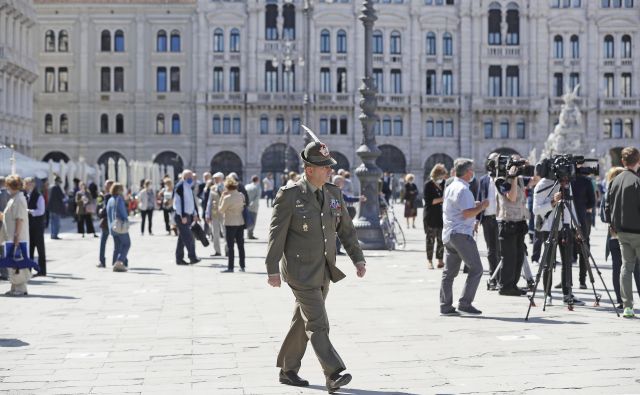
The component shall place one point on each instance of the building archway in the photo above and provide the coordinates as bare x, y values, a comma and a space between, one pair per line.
392, 159
56, 156
506, 151
434, 159
170, 158
273, 161
343, 162
104, 160
227, 162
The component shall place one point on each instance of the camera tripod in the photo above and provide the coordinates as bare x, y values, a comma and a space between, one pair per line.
550, 246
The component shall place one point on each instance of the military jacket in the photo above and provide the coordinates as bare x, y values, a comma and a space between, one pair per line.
302, 235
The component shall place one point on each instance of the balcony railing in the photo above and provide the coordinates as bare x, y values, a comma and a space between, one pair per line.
440, 101
393, 99
625, 103
225, 97
507, 51
342, 98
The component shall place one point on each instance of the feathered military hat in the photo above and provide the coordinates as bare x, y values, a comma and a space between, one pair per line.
316, 152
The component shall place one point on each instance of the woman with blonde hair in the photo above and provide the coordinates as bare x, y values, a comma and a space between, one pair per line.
231, 206
410, 200
432, 215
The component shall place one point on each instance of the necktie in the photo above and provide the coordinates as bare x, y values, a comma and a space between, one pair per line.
319, 196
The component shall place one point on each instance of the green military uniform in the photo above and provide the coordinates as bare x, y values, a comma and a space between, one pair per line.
302, 237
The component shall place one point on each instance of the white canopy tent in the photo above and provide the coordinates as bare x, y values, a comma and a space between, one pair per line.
24, 166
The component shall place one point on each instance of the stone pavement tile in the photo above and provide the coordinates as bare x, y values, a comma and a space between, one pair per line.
116, 388
22, 385
66, 391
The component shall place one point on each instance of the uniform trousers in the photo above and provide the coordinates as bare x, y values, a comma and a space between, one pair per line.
459, 248
310, 323
36, 241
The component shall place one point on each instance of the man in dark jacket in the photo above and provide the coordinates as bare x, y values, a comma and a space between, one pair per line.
623, 211
56, 207
36, 208
584, 198
103, 199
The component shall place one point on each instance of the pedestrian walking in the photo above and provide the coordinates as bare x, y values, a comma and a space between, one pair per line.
213, 217
85, 208
432, 214
4, 199
36, 210
253, 192
56, 207
185, 207
410, 200
268, 188
103, 199
232, 203
146, 205
118, 220
165, 195
307, 217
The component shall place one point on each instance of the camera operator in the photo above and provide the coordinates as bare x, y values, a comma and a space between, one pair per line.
584, 199
546, 197
487, 218
512, 215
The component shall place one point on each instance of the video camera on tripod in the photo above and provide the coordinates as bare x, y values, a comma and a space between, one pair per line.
499, 166
566, 167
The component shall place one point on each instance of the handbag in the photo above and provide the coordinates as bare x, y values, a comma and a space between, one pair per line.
119, 226
198, 234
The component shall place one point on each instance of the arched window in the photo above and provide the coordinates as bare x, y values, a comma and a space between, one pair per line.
234, 40
488, 129
431, 43
504, 129
215, 124
264, 124
439, 128
606, 128
289, 21
63, 41
175, 41
325, 41
397, 126
279, 124
333, 125
49, 41
447, 44
341, 45
626, 46
161, 79
105, 41
495, 20
386, 126
118, 79
628, 128
218, 40
378, 42
575, 47
429, 127
48, 123
236, 125
617, 129
119, 124
513, 24
608, 47
175, 124
324, 125
105, 79
175, 79
64, 124
396, 43
118, 42
520, 130
558, 47
160, 125
161, 41
104, 124
271, 22
226, 124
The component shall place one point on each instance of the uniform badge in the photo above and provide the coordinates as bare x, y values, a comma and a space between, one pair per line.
335, 204
305, 227
299, 204
324, 150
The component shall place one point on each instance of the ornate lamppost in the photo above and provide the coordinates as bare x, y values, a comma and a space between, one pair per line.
367, 223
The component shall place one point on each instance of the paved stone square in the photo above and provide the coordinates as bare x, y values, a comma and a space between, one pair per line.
167, 329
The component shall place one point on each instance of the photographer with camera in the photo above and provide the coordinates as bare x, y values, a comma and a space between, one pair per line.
512, 215
487, 218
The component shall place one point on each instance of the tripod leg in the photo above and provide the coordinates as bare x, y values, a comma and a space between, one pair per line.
545, 264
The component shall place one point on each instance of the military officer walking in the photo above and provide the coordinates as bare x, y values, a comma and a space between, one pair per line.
307, 217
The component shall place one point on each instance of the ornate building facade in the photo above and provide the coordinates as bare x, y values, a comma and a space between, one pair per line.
225, 85
18, 71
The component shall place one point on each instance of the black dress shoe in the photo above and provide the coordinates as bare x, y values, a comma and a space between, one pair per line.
227, 271
336, 381
292, 378
194, 261
182, 262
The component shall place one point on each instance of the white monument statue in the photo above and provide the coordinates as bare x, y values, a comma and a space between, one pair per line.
568, 135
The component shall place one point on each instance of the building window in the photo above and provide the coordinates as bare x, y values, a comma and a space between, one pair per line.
118, 41
105, 79
226, 125
439, 128
488, 129
513, 25
271, 22
396, 43
279, 124
447, 44
431, 82
558, 84
333, 125
64, 124
396, 81
215, 124
626, 85
447, 83
289, 21
49, 79
504, 130
49, 41
325, 41
344, 125
118, 79
218, 40
324, 126
234, 79
431, 44
397, 126
628, 128
160, 125
626, 46
495, 81
236, 125
558, 47
513, 81
161, 41
104, 124
161, 79
448, 128
119, 124
609, 85
606, 128
218, 79
378, 79
325, 80
175, 44
295, 125
63, 41
48, 123
105, 41
63, 79
520, 130
234, 40
429, 127
378, 41
574, 80
628, 3
495, 20
175, 79
175, 124
608, 47
341, 42
270, 77
264, 125
575, 47
342, 80
386, 126
377, 128
617, 129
